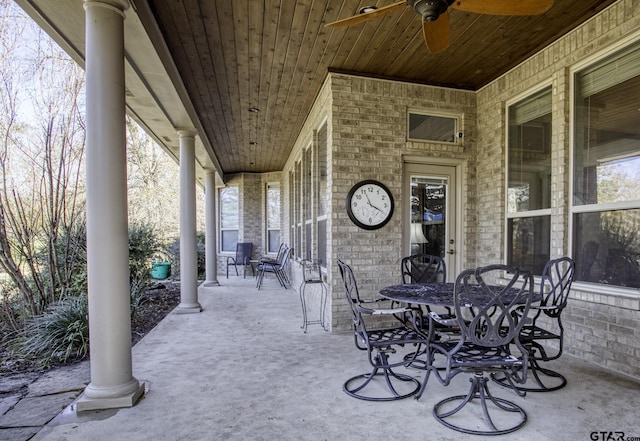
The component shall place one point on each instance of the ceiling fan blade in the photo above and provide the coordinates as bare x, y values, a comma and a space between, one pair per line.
436, 33
367, 15
504, 7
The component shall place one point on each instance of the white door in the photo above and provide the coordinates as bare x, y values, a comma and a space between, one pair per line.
430, 212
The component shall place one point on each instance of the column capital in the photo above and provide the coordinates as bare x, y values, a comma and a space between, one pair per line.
116, 5
187, 133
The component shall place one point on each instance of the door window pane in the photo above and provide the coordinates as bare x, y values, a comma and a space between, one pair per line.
428, 215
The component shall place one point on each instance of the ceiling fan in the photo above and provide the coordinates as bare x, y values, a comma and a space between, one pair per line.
435, 17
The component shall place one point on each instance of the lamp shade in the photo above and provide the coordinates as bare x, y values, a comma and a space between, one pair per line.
417, 235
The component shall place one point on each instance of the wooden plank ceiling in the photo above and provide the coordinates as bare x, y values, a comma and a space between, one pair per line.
273, 55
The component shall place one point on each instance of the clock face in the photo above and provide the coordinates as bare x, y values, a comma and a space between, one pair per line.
369, 204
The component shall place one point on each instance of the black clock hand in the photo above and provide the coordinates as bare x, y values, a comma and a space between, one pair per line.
370, 204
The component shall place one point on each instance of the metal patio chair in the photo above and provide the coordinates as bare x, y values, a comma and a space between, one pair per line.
381, 345
484, 346
546, 327
242, 257
278, 268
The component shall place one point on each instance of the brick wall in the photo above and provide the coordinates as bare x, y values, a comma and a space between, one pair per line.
368, 138
601, 323
252, 208
367, 130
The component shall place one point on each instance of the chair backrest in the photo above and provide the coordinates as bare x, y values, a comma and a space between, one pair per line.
350, 285
353, 299
243, 252
492, 323
423, 268
284, 256
555, 285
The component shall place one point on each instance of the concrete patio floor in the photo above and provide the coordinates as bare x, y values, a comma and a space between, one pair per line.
243, 369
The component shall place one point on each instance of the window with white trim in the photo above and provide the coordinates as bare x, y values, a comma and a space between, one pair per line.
273, 217
229, 219
606, 165
307, 203
323, 202
529, 182
432, 127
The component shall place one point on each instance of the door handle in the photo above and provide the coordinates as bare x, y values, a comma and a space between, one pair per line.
451, 251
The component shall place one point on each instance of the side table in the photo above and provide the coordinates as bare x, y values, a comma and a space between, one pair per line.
312, 275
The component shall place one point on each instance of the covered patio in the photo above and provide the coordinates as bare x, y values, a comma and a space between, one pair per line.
243, 369
234, 362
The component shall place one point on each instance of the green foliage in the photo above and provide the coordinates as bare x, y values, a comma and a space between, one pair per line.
143, 245
59, 335
173, 250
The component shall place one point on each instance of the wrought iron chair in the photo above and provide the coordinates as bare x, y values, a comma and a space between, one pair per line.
312, 275
380, 345
427, 268
423, 268
279, 269
546, 326
242, 257
483, 347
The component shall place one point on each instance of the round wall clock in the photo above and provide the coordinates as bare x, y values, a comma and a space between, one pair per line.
369, 204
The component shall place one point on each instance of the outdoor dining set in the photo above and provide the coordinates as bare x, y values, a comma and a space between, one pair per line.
494, 323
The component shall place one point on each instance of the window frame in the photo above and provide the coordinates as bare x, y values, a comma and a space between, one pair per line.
538, 213
321, 218
268, 230
591, 64
222, 229
456, 117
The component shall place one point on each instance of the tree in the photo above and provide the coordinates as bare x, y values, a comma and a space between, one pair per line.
41, 162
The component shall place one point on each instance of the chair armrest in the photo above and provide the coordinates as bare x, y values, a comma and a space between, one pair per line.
381, 299
544, 308
373, 311
446, 322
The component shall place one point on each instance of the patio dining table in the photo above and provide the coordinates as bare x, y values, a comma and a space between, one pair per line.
432, 294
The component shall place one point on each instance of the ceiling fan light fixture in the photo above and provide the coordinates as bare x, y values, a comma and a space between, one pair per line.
429, 10
367, 9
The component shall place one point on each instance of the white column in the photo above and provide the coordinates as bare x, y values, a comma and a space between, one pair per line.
211, 254
112, 383
188, 238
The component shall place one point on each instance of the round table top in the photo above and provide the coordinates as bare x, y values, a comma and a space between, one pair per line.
440, 294
435, 294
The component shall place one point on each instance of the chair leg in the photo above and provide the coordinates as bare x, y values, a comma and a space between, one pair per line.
480, 391
390, 377
546, 380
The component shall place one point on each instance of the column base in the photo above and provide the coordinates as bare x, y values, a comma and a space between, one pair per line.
188, 308
85, 403
209, 283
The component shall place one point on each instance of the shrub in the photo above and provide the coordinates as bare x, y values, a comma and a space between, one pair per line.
59, 335
173, 250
